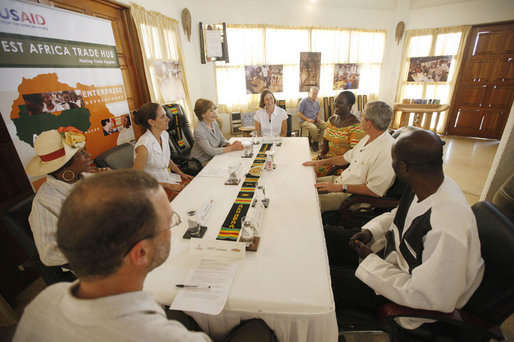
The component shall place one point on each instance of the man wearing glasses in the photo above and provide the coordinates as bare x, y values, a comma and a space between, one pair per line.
114, 228
369, 170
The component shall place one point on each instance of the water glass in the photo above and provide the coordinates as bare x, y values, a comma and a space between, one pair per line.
255, 140
232, 176
247, 148
193, 225
278, 140
247, 232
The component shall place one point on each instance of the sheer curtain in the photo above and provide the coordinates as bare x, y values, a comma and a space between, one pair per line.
262, 44
245, 47
432, 42
158, 36
283, 46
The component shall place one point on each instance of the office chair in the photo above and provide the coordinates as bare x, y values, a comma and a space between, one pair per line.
181, 140
480, 319
16, 219
374, 206
368, 207
119, 157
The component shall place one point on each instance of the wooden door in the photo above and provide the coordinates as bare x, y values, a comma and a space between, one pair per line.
14, 185
484, 91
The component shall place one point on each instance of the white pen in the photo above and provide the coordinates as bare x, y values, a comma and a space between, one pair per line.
194, 286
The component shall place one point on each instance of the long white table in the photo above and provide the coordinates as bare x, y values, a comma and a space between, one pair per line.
287, 281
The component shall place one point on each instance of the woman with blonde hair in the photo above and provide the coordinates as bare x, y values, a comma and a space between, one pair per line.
209, 141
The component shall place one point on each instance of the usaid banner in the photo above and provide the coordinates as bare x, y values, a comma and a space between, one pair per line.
60, 68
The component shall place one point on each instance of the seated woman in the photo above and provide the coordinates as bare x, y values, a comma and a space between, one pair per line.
152, 150
62, 157
271, 120
342, 132
209, 141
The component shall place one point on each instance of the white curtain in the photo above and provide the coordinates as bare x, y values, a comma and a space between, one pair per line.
254, 45
158, 36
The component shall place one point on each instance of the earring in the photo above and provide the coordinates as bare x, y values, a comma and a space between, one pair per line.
70, 178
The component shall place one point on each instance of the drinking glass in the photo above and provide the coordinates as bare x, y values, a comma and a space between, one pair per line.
278, 140
247, 231
193, 225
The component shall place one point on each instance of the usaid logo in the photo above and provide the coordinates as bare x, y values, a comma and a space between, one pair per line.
22, 17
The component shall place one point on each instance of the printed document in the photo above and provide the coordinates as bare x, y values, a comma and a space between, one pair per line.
206, 287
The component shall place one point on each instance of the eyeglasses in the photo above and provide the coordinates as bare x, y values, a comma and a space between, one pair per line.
175, 221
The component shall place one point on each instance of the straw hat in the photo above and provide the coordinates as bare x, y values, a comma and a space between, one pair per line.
54, 148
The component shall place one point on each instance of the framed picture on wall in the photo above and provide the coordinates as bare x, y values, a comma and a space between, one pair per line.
346, 76
310, 66
260, 77
429, 69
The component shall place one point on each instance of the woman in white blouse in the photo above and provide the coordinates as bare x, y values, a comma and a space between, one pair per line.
209, 141
152, 150
271, 120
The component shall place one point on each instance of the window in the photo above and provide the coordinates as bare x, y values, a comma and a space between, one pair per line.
254, 45
432, 42
159, 41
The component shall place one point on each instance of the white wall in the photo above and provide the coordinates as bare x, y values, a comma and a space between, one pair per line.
503, 163
367, 14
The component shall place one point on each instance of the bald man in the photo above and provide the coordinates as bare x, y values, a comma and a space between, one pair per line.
431, 251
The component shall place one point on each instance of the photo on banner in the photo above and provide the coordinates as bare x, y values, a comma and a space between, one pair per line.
310, 67
429, 69
56, 74
346, 76
52, 102
120, 124
169, 79
260, 77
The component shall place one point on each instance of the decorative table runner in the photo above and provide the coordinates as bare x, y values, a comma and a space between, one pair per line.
230, 229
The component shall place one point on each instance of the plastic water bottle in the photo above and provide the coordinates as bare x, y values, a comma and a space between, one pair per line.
268, 166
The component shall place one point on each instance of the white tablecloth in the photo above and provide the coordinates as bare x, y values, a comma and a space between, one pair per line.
287, 281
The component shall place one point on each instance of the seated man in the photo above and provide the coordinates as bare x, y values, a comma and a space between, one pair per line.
114, 228
369, 171
308, 112
431, 258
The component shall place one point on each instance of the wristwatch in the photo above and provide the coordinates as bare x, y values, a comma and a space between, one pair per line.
345, 188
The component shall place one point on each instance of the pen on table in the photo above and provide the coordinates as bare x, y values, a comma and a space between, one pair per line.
194, 286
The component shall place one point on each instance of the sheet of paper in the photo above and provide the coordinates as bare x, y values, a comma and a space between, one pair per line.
213, 43
214, 172
174, 178
216, 273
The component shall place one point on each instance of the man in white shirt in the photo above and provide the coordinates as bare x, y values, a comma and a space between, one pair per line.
431, 259
369, 170
114, 228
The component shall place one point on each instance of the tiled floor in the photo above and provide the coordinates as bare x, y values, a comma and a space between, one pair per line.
466, 160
